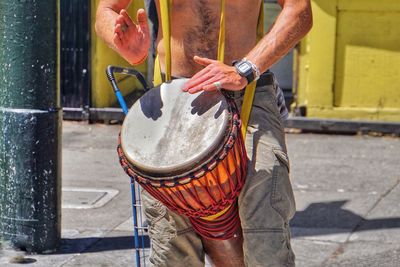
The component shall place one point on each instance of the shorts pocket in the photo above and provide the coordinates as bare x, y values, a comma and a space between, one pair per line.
161, 224
282, 198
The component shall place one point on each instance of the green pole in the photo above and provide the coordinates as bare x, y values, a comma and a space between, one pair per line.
30, 123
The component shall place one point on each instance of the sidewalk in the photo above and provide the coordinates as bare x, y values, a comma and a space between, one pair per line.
347, 191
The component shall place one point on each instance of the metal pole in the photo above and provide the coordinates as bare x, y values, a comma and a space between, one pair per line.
30, 123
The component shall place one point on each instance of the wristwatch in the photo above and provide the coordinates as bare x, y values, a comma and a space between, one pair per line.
247, 69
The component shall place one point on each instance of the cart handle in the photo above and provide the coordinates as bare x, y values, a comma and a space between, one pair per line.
128, 71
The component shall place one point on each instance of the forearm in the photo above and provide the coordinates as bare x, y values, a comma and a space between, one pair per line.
103, 26
293, 23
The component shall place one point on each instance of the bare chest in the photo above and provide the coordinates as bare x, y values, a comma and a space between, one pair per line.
195, 26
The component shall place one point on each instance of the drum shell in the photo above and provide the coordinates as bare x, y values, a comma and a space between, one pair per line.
206, 192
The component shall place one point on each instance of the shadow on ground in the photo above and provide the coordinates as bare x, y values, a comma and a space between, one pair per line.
330, 218
319, 218
100, 244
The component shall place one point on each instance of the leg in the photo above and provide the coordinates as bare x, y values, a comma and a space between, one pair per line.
266, 203
173, 240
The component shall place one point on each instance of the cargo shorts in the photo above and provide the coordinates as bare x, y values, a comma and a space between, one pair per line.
266, 202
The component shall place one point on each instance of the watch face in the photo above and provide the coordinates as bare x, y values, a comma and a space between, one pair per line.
244, 67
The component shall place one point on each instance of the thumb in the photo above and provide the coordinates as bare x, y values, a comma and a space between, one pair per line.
203, 60
142, 18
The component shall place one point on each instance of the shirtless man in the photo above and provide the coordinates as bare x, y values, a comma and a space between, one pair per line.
266, 203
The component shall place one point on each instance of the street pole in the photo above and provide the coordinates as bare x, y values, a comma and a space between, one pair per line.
30, 124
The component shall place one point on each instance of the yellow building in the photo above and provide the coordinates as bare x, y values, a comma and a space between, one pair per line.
348, 67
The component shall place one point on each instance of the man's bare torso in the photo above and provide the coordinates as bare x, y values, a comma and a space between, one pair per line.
195, 31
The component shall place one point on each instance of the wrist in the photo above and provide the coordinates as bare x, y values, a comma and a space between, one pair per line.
243, 81
247, 69
138, 61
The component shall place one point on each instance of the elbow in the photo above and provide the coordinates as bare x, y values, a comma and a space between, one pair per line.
101, 19
97, 27
97, 23
308, 18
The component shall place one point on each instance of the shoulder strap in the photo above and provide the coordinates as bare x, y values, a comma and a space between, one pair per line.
251, 88
166, 30
221, 39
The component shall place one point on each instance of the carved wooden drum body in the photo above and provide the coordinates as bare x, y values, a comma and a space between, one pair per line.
186, 150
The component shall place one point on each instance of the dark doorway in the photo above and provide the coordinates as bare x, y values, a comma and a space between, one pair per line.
75, 56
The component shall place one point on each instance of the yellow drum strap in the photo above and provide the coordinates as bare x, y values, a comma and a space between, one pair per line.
157, 79
221, 40
166, 29
251, 88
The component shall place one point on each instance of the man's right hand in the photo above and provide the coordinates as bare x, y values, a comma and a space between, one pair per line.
132, 40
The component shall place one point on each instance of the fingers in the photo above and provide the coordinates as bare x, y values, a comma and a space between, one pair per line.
198, 78
117, 41
202, 75
214, 71
126, 18
118, 30
196, 83
213, 87
142, 19
203, 61
207, 85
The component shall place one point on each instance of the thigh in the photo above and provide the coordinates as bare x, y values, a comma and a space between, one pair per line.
173, 240
266, 202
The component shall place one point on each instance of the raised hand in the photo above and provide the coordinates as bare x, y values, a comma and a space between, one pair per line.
132, 40
214, 76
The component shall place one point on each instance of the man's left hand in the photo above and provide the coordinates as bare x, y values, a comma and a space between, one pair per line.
214, 75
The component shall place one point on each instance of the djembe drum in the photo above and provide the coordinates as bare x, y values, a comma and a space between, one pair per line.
186, 150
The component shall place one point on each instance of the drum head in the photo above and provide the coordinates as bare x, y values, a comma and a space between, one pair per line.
168, 131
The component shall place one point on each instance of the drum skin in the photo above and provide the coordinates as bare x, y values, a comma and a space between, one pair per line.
168, 131
203, 184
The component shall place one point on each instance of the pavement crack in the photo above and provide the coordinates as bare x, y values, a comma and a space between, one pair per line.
363, 220
341, 248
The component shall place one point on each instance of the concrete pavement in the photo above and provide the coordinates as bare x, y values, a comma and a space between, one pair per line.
347, 191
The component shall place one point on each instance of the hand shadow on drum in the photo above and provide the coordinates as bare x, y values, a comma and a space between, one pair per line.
205, 101
151, 103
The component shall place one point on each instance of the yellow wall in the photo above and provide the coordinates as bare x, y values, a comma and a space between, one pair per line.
101, 57
349, 64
